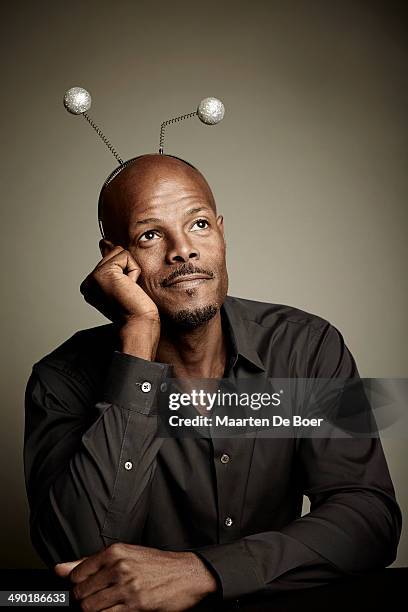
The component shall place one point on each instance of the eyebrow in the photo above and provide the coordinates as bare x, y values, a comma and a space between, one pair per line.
188, 213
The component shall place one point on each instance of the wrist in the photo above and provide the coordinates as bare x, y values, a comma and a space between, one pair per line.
206, 580
140, 338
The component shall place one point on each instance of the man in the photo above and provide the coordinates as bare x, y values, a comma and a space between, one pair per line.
139, 521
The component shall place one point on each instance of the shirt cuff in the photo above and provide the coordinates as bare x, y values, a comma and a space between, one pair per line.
134, 383
234, 567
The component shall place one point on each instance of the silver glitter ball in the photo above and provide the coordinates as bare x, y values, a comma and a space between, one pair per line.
77, 100
211, 111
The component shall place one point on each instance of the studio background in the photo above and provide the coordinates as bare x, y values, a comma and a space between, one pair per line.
309, 169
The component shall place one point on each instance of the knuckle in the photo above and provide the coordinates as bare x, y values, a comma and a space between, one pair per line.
114, 549
122, 566
134, 585
114, 552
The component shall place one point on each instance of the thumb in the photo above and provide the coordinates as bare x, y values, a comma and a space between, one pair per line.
134, 275
132, 268
64, 569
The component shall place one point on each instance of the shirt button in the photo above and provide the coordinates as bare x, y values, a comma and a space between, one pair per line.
224, 458
128, 465
163, 387
146, 386
228, 521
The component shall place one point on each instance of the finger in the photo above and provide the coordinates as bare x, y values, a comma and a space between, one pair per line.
117, 608
89, 282
133, 269
125, 261
113, 253
107, 598
116, 249
134, 274
94, 583
90, 566
64, 569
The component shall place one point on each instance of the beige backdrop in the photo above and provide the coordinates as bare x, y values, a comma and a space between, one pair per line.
309, 168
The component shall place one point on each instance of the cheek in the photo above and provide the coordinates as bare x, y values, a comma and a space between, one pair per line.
150, 271
217, 254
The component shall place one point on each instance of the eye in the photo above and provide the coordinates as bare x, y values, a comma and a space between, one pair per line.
147, 236
202, 224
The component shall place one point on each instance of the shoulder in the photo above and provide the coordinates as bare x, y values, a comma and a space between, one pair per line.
84, 356
266, 314
300, 342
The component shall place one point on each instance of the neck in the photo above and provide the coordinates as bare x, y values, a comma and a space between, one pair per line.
196, 353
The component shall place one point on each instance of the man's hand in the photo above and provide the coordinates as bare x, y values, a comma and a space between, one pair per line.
130, 577
113, 290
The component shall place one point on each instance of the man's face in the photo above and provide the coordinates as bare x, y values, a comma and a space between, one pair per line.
175, 236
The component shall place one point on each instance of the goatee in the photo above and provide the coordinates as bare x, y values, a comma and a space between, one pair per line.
191, 319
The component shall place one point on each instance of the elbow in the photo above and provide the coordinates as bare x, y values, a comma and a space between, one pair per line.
62, 530
43, 546
384, 525
357, 531
387, 528
49, 539
394, 534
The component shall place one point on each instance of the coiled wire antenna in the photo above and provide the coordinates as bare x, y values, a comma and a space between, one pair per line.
103, 137
77, 101
168, 122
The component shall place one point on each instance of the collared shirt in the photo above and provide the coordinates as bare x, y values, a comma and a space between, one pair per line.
97, 471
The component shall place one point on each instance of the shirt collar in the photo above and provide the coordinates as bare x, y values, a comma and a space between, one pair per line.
235, 316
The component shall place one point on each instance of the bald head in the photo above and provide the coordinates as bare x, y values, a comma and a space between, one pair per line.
150, 180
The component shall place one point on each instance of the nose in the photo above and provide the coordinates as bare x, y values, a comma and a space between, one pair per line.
181, 249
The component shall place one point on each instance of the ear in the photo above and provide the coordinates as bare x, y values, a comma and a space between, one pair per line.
220, 224
105, 246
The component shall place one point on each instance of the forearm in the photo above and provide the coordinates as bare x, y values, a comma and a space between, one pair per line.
351, 532
92, 488
96, 499
357, 530
268, 560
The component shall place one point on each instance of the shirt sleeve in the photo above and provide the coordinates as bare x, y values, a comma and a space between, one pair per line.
354, 523
89, 464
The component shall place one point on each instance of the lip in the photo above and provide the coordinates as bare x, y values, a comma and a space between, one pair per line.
189, 280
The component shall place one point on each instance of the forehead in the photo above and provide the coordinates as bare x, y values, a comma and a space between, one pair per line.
139, 189
159, 188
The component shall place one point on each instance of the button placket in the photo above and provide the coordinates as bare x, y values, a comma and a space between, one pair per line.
122, 491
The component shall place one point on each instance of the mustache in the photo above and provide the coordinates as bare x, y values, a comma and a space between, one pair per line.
184, 270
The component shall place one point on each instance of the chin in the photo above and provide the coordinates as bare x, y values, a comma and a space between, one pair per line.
191, 307
191, 317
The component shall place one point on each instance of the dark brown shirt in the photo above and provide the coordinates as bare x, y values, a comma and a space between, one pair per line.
97, 472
